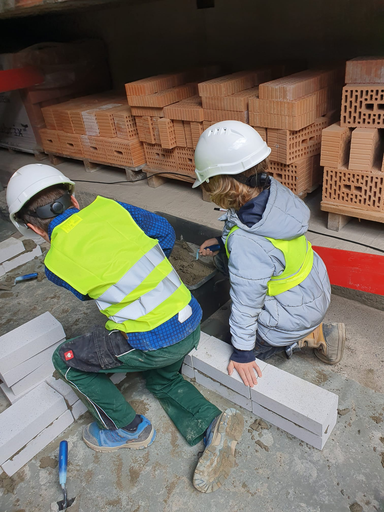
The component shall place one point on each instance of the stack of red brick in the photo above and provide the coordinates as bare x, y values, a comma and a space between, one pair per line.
352, 150
99, 128
293, 111
169, 118
69, 69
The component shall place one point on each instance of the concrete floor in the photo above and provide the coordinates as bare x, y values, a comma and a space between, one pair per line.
281, 474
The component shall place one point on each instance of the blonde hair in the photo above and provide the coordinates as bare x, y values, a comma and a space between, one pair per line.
227, 192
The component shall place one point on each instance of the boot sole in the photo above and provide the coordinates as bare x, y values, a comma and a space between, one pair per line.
342, 335
218, 458
132, 445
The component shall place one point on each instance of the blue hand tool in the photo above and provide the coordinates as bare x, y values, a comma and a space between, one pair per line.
212, 248
27, 277
63, 462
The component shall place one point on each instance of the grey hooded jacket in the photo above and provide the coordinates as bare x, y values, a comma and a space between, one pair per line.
289, 316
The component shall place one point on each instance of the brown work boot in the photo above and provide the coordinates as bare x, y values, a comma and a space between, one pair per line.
328, 342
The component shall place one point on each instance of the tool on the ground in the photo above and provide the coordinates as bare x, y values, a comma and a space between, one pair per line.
63, 461
26, 277
212, 248
291, 349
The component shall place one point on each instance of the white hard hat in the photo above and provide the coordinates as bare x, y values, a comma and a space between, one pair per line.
228, 147
25, 183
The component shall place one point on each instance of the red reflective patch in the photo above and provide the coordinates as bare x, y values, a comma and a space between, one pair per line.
68, 355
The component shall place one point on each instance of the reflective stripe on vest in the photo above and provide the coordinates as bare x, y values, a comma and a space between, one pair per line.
298, 255
101, 252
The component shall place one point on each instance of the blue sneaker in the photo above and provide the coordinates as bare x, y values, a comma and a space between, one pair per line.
110, 440
218, 458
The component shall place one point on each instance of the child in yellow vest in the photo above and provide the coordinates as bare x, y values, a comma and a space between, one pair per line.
280, 289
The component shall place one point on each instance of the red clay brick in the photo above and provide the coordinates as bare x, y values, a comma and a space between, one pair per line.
288, 146
167, 133
179, 134
93, 148
227, 85
335, 146
365, 70
189, 109
359, 189
196, 130
50, 141
366, 150
295, 86
236, 102
125, 123
147, 111
186, 160
188, 134
363, 105
146, 129
262, 132
282, 122
225, 115
301, 176
125, 153
207, 124
70, 144
160, 158
163, 98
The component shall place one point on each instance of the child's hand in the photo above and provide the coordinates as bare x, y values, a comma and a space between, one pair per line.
246, 372
208, 243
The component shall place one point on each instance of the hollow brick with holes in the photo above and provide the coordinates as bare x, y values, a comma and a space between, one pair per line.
363, 106
366, 149
365, 70
166, 133
189, 109
163, 98
300, 176
335, 146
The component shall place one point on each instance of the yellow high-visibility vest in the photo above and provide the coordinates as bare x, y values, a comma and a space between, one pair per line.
101, 252
298, 255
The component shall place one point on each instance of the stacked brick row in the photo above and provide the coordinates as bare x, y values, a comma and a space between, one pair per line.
169, 118
99, 128
293, 111
171, 129
352, 150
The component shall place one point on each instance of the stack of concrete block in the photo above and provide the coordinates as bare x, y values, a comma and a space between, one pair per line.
15, 252
298, 407
293, 110
352, 150
99, 128
42, 406
26, 355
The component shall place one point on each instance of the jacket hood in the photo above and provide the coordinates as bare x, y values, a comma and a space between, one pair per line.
285, 215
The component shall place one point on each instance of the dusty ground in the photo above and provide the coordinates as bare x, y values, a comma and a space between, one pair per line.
191, 270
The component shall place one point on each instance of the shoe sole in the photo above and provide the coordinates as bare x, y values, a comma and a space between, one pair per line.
342, 336
132, 445
218, 458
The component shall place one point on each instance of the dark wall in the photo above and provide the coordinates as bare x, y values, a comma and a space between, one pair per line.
162, 35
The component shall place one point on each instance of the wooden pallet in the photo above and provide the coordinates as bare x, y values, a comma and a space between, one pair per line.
39, 155
339, 215
157, 177
132, 173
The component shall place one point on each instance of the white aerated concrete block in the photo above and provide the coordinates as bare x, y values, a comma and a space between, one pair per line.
25, 419
10, 248
34, 378
223, 391
116, 378
29, 339
38, 443
22, 370
295, 399
295, 430
63, 388
20, 260
78, 409
188, 371
212, 359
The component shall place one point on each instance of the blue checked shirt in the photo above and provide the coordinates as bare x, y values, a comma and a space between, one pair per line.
157, 227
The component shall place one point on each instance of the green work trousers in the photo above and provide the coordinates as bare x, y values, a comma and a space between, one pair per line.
188, 409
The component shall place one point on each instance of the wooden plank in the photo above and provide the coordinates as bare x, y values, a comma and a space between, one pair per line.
350, 211
355, 270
